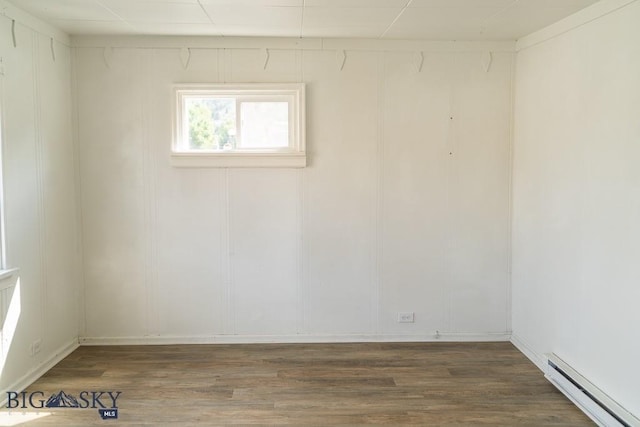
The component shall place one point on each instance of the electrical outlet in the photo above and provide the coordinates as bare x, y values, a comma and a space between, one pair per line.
406, 317
35, 347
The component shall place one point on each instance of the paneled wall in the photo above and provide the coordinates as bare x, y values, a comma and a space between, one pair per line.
404, 206
41, 299
576, 234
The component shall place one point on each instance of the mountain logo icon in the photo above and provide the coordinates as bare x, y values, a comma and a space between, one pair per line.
62, 400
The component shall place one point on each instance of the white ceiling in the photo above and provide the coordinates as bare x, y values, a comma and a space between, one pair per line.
386, 19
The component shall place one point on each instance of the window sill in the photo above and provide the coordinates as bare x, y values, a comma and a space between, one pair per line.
4, 274
239, 160
7, 276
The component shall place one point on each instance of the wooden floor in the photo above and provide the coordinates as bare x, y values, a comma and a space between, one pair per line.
431, 384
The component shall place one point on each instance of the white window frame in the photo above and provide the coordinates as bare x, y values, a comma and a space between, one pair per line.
3, 248
293, 156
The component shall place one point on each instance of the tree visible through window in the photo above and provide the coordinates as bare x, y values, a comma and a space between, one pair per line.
212, 123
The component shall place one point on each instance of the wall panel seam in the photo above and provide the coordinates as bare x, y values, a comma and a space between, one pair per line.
40, 185
82, 315
378, 214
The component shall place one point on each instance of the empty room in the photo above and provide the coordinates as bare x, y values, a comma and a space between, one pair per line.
320, 212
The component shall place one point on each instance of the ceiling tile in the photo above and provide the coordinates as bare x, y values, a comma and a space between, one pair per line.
357, 3
574, 5
259, 30
462, 4
348, 16
155, 1
344, 32
78, 27
157, 12
259, 16
67, 9
441, 23
526, 17
254, 3
176, 29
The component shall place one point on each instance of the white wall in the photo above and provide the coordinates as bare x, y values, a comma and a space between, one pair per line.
42, 227
576, 209
384, 219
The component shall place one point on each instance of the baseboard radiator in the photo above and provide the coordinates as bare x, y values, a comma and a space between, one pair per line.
603, 410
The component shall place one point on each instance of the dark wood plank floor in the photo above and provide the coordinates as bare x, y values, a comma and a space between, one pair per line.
436, 384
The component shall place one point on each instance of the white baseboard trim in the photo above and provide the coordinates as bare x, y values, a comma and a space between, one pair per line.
291, 339
538, 359
34, 374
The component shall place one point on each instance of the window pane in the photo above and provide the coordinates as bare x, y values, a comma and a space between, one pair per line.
264, 124
211, 123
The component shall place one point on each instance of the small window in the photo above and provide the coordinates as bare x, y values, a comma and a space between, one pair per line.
239, 125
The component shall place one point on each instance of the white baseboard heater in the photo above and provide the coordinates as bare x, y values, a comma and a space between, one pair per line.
603, 410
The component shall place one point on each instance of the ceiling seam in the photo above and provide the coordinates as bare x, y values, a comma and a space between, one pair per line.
384, 33
488, 20
204, 10
115, 14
